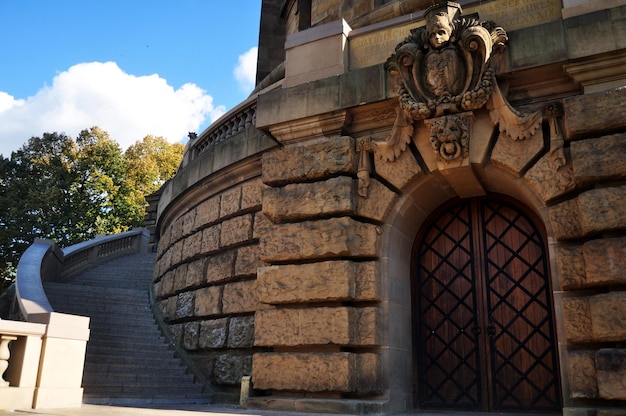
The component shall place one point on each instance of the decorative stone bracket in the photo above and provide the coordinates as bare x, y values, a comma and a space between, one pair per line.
363, 149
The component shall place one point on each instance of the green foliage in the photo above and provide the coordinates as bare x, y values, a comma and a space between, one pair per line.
69, 190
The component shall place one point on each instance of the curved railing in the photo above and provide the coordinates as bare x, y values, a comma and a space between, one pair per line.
235, 121
43, 261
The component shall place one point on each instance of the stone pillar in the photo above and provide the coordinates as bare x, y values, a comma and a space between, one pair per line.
320, 317
62, 360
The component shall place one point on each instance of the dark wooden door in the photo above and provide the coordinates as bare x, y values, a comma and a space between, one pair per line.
484, 336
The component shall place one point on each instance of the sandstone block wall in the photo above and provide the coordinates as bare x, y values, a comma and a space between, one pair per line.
320, 292
589, 223
205, 280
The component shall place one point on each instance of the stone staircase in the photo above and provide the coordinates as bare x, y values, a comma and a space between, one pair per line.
128, 361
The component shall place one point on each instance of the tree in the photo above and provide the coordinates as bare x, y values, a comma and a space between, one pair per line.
150, 163
70, 191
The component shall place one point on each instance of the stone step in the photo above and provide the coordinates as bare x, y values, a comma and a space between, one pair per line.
129, 347
153, 377
99, 364
127, 358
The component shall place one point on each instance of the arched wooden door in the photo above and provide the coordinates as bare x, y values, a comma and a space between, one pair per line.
485, 336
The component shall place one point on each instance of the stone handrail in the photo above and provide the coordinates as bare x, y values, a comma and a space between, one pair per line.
88, 254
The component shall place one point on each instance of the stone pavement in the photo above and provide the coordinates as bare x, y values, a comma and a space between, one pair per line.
177, 410
209, 410
157, 410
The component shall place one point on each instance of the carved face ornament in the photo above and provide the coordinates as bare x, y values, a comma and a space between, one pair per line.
439, 31
449, 137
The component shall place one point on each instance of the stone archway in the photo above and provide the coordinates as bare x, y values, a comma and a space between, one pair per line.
484, 333
422, 195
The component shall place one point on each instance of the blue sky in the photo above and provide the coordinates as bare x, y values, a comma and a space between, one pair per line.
163, 66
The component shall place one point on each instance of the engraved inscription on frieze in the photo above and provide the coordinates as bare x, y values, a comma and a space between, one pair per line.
516, 14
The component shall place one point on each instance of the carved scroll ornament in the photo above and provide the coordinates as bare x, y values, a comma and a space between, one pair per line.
445, 68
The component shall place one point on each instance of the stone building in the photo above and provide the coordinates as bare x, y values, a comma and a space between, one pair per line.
419, 207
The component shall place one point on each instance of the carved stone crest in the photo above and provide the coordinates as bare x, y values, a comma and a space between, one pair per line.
445, 69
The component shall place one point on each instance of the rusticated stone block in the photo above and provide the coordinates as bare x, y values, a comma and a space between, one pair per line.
230, 368
177, 332
247, 260
603, 209
251, 194
577, 320
514, 155
293, 202
241, 332
166, 260
213, 333
208, 212
571, 266
261, 225
220, 267
195, 273
231, 202
611, 367
582, 374
367, 282
605, 261
600, 159
167, 285
185, 305
313, 372
236, 230
315, 282
565, 221
375, 205
168, 307
608, 316
590, 114
164, 242
180, 277
317, 326
188, 222
177, 252
191, 246
177, 230
549, 179
335, 237
309, 162
191, 332
399, 172
240, 297
208, 301
211, 238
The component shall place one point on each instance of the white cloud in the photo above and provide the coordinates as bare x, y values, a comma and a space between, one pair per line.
245, 71
99, 94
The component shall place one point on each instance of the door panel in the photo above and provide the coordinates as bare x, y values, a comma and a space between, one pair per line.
485, 338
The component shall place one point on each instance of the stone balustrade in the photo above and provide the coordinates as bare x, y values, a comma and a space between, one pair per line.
229, 125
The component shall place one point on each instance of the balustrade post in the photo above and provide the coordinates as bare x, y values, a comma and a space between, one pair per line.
5, 354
